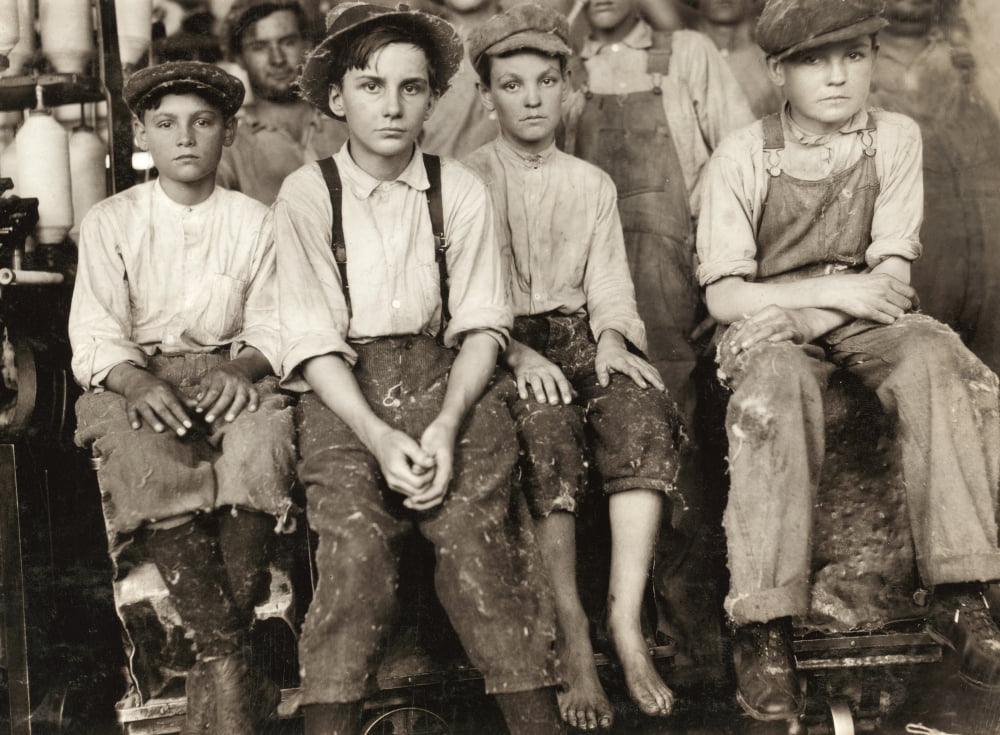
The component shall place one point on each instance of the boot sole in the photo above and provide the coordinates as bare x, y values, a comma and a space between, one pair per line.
764, 717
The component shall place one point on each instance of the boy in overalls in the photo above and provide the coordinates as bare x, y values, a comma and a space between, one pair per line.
575, 317
174, 332
399, 430
810, 220
656, 105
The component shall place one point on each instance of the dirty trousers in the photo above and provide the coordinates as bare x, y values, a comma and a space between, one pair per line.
488, 574
147, 476
946, 406
632, 432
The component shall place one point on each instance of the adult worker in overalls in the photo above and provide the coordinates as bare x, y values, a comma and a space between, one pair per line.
656, 105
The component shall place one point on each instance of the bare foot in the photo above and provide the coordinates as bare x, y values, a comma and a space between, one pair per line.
583, 703
645, 686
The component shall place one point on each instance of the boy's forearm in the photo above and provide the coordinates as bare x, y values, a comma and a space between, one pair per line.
732, 299
332, 380
470, 374
253, 363
895, 266
123, 376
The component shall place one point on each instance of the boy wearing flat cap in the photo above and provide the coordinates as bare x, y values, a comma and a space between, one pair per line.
575, 321
174, 332
393, 311
810, 221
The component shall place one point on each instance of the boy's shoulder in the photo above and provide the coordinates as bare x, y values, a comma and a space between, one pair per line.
486, 162
743, 143
886, 120
123, 204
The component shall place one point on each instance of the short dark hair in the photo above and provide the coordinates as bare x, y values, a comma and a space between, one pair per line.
357, 49
797, 56
484, 66
259, 12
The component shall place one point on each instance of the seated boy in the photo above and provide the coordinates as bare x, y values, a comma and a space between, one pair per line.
575, 317
810, 220
174, 329
398, 431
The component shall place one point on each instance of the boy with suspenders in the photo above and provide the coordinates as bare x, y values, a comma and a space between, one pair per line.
389, 260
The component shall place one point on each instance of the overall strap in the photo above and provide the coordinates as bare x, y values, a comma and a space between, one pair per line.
432, 164
337, 243
774, 141
658, 61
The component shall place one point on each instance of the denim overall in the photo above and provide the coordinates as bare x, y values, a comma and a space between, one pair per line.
943, 397
628, 136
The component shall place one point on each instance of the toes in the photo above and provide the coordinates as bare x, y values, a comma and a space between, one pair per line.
591, 720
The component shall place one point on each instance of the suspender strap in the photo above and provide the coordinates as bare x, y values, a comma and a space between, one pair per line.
337, 243
658, 59
435, 207
432, 164
774, 141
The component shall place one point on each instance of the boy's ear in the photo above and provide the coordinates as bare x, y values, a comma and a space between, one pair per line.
431, 104
229, 131
336, 100
139, 134
486, 96
776, 71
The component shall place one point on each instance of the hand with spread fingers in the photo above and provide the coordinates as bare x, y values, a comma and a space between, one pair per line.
532, 370
613, 357
770, 324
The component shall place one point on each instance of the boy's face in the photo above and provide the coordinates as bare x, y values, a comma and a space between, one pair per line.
526, 91
272, 50
385, 104
607, 15
826, 86
185, 135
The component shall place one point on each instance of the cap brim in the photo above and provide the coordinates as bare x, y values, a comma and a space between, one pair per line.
314, 82
544, 43
185, 86
863, 28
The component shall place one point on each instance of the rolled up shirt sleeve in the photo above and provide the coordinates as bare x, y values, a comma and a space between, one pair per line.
899, 208
260, 310
313, 313
477, 299
100, 319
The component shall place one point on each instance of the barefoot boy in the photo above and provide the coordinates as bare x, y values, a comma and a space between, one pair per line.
575, 318
401, 432
810, 220
174, 328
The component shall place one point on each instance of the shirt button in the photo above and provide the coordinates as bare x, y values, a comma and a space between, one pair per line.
538, 297
615, 47
395, 303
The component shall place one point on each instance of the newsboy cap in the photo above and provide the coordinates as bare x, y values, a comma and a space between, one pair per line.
179, 77
243, 13
786, 27
355, 18
525, 26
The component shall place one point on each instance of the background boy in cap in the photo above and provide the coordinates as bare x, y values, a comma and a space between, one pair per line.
575, 317
174, 329
656, 104
279, 131
810, 220
398, 431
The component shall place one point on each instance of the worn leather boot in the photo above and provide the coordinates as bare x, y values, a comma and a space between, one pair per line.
242, 705
200, 709
767, 686
960, 620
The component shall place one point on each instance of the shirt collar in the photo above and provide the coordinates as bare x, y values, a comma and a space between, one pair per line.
859, 121
363, 183
511, 152
639, 38
163, 198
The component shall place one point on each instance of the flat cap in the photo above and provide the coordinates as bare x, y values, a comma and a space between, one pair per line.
525, 26
786, 27
179, 77
243, 13
352, 19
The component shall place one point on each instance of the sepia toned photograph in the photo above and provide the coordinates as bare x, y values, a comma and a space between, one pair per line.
499, 367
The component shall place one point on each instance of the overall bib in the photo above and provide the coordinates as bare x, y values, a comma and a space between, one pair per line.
628, 137
944, 400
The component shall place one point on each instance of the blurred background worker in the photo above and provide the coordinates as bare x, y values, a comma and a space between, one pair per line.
278, 131
926, 71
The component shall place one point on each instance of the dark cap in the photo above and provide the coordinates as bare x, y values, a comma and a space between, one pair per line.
352, 19
525, 26
180, 77
243, 13
786, 27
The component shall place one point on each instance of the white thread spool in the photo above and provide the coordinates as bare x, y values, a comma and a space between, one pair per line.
24, 50
66, 28
10, 29
43, 172
135, 29
8, 165
88, 182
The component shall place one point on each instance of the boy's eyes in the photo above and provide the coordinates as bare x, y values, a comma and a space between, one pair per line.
511, 86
